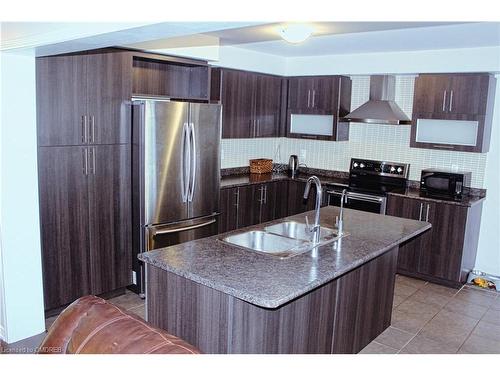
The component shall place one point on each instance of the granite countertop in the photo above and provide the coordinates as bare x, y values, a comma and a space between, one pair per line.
235, 180
270, 282
249, 179
468, 200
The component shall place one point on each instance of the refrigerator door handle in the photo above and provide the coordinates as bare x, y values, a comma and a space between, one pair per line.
184, 163
176, 229
192, 161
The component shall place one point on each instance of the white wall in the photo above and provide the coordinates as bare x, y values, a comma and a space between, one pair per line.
240, 58
19, 218
483, 59
488, 257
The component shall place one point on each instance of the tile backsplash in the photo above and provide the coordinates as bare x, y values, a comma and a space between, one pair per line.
371, 141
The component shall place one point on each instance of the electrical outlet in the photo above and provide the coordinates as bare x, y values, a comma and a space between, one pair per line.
134, 277
302, 155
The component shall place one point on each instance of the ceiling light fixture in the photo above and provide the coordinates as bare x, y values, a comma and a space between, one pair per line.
296, 32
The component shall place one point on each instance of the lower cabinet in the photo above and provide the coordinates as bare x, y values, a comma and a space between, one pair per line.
258, 203
447, 252
85, 220
252, 204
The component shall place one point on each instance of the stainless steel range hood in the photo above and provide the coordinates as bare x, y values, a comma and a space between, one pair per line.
381, 108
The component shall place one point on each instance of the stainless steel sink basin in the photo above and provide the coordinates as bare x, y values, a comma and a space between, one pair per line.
294, 229
269, 243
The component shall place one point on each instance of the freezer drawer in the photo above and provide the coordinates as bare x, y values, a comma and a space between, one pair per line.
159, 236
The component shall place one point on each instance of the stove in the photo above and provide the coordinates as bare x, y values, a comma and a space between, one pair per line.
369, 183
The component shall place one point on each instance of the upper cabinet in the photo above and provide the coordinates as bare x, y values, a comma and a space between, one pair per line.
453, 111
251, 103
82, 99
176, 78
315, 105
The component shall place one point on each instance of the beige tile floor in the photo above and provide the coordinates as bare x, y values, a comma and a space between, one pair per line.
432, 319
426, 319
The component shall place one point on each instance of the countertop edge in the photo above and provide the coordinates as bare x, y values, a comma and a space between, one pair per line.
276, 303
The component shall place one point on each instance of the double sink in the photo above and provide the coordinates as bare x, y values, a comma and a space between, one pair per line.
282, 240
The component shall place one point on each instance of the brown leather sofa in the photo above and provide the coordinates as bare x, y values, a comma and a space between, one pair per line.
92, 325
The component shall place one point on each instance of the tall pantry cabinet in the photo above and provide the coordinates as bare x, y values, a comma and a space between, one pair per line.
84, 173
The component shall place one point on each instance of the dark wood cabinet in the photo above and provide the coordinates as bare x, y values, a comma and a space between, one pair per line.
447, 252
453, 97
110, 212
177, 78
410, 251
81, 99
251, 103
296, 202
228, 209
267, 94
61, 95
84, 173
252, 204
64, 220
85, 217
109, 87
319, 95
237, 104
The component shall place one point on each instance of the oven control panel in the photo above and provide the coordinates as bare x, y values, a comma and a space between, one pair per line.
381, 168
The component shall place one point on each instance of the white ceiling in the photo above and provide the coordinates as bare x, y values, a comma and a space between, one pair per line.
329, 38
352, 38
47, 38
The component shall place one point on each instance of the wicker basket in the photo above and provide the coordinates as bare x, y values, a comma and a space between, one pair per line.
261, 165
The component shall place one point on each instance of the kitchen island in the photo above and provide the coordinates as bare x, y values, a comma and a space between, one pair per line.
226, 299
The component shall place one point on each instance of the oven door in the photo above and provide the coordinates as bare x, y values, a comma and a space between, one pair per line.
359, 201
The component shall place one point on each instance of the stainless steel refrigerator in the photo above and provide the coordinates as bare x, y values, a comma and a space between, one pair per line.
176, 174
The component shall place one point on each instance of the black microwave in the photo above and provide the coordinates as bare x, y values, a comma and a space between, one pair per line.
444, 184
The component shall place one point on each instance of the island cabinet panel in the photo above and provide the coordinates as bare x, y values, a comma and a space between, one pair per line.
364, 303
186, 309
340, 316
302, 326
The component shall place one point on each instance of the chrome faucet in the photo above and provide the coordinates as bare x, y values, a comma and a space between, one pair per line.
315, 229
339, 220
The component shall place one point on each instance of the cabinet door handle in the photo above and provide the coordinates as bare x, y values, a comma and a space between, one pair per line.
308, 97
84, 129
421, 209
445, 147
93, 128
314, 94
265, 194
237, 193
444, 100
92, 155
451, 100
85, 161
427, 212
